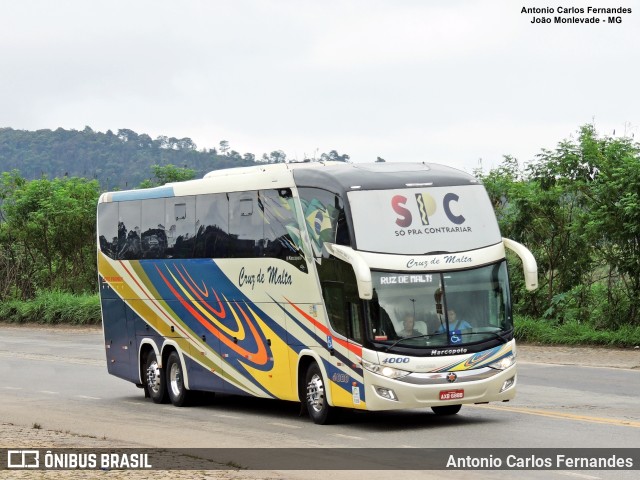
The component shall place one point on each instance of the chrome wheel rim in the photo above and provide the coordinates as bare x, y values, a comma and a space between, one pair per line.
175, 379
315, 393
153, 377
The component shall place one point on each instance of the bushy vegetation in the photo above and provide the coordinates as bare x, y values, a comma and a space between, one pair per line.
53, 307
577, 208
574, 332
47, 236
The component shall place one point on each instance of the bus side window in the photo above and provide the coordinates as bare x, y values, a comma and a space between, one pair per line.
129, 243
180, 226
153, 239
355, 321
108, 228
281, 229
333, 293
212, 226
325, 218
246, 227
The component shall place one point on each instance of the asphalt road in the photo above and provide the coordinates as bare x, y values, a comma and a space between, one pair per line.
58, 379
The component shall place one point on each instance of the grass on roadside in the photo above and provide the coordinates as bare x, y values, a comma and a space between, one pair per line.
53, 308
574, 333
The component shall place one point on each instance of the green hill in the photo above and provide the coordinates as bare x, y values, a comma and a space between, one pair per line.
117, 160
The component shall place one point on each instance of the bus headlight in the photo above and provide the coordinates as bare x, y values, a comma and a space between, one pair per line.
504, 362
388, 372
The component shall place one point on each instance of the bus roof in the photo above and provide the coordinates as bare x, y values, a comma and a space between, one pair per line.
342, 177
338, 177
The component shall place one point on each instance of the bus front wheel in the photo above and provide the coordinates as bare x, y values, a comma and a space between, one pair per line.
317, 405
178, 394
154, 381
446, 409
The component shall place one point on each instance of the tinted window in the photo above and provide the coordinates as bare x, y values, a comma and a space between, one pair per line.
180, 227
129, 244
108, 228
212, 226
281, 228
153, 240
340, 293
324, 217
246, 225
333, 293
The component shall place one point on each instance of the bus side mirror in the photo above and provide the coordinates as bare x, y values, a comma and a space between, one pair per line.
360, 268
529, 264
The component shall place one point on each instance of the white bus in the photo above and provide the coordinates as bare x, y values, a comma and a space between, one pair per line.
363, 286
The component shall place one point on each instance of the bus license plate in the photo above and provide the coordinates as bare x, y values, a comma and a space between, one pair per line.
451, 394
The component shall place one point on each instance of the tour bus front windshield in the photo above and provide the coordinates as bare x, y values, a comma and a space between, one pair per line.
440, 309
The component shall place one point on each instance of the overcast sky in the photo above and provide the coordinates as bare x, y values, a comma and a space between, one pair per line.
408, 80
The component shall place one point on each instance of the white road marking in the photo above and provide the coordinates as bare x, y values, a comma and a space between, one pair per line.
227, 416
86, 397
286, 425
49, 392
578, 475
350, 437
12, 388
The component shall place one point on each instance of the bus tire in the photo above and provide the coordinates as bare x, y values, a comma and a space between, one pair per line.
317, 406
154, 381
446, 410
178, 393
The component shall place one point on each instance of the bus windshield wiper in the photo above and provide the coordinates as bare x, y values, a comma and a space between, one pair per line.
425, 335
497, 335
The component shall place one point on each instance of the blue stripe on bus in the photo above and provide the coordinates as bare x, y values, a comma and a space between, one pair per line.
143, 194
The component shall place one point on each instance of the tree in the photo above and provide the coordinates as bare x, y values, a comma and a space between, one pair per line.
48, 229
277, 156
127, 135
168, 174
613, 227
334, 156
234, 155
578, 209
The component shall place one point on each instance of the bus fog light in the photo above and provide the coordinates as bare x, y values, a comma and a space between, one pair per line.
386, 393
508, 384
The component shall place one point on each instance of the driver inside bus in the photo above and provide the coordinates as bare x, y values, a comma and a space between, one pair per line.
455, 323
408, 327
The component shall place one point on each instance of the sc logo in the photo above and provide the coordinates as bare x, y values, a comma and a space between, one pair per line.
426, 206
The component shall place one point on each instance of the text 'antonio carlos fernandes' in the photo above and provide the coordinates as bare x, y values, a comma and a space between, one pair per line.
534, 462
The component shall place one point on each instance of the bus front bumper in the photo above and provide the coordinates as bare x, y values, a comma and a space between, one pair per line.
418, 390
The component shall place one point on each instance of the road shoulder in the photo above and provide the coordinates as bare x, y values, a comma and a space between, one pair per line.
627, 358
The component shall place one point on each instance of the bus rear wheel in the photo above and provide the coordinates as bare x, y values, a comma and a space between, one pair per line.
446, 409
317, 404
178, 393
154, 381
